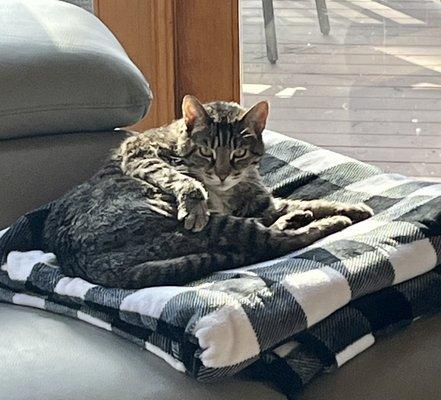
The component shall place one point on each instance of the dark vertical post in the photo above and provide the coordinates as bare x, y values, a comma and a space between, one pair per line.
270, 31
322, 12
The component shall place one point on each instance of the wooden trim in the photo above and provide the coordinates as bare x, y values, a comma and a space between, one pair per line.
207, 61
181, 46
235, 43
145, 29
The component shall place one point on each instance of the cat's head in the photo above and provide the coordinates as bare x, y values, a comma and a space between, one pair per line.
225, 140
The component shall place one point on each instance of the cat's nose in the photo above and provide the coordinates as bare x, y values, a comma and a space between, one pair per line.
222, 176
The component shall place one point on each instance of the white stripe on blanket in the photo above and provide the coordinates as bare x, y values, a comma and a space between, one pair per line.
354, 349
432, 191
23, 299
272, 138
2, 232
151, 301
227, 337
412, 259
286, 348
244, 270
19, 264
94, 321
375, 185
165, 356
74, 287
319, 291
319, 160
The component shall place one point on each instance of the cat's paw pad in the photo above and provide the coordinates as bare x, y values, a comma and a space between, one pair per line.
294, 220
356, 212
195, 215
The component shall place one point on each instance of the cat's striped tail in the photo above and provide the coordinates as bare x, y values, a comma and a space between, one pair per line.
179, 270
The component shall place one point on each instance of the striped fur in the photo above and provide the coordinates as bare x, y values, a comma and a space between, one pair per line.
156, 214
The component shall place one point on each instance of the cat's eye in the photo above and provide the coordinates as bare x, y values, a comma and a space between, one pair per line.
239, 153
205, 151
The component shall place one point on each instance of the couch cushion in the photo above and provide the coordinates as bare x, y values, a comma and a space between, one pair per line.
60, 358
62, 70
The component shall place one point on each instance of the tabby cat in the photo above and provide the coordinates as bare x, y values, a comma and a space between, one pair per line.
179, 202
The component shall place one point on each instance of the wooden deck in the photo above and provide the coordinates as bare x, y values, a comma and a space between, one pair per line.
371, 89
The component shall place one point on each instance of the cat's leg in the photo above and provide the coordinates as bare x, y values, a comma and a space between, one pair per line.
324, 208
248, 236
176, 271
230, 242
293, 220
154, 250
191, 196
283, 215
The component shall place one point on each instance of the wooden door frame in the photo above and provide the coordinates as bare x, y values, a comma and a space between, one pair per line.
181, 46
207, 50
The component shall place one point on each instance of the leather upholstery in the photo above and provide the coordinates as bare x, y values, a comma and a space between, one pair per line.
50, 357
72, 74
401, 366
36, 170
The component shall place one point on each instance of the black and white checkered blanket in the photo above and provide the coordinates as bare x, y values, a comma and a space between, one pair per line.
287, 319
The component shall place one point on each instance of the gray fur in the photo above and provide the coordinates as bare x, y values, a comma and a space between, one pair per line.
179, 202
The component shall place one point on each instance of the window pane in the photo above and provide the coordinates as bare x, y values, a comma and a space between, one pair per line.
362, 78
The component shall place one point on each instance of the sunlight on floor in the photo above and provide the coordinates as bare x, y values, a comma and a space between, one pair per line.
351, 14
387, 12
289, 92
251, 88
429, 62
426, 86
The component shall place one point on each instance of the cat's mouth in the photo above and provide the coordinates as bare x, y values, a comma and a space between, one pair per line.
219, 185
227, 185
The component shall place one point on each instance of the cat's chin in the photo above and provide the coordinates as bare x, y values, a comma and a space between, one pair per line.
224, 188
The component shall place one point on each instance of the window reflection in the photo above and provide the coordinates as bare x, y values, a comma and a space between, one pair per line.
359, 77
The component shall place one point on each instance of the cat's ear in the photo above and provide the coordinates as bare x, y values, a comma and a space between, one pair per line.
193, 111
255, 118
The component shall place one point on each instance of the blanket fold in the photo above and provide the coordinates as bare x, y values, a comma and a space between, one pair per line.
286, 319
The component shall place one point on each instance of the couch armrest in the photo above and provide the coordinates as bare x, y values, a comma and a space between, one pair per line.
40, 169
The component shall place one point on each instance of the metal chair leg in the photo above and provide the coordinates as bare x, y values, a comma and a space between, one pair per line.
270, 31
322, 12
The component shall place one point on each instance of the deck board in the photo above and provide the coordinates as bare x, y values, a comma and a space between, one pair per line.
371, 89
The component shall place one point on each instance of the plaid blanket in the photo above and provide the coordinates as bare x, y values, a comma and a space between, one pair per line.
287, 319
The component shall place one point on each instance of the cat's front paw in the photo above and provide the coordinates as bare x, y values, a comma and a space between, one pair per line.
356, 212
293, 220
196, 217
193, 209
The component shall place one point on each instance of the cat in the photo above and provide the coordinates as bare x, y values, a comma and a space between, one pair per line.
176, 203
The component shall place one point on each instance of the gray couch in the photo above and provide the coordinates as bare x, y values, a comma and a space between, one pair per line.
49, 357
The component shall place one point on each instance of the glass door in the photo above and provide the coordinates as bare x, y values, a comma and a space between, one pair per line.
359, 77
